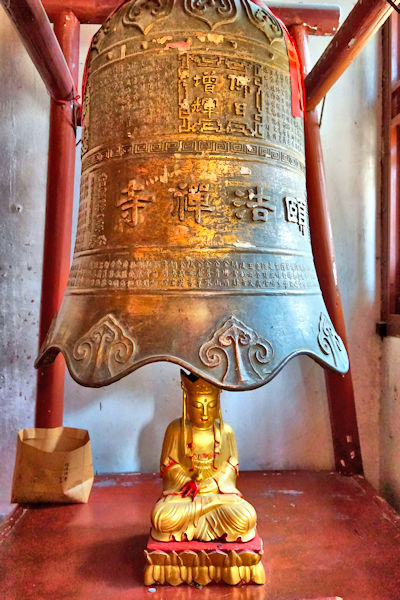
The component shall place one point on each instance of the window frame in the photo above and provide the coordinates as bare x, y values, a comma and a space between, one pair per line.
390, 170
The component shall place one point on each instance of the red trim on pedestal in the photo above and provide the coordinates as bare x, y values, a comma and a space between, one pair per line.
254, 545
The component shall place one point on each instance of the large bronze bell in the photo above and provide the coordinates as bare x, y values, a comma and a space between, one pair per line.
193, 240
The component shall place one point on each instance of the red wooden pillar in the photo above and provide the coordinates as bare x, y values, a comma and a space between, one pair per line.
57, 241
340, 391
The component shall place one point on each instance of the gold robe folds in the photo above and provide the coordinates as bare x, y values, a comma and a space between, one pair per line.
218, 510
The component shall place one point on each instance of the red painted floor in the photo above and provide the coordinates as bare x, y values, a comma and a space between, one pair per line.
324, 536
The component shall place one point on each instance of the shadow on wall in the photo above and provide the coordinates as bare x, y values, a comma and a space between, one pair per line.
127, 419
284, 424
167, 401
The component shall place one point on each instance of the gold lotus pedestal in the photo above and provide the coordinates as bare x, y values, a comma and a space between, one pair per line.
202, 563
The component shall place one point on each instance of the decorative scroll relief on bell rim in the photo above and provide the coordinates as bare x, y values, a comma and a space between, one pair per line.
244, 352
212, 12
143, 14
331, 344
105, 351
264, 21
49, 353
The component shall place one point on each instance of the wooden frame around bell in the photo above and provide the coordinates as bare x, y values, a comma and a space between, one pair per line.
362, 23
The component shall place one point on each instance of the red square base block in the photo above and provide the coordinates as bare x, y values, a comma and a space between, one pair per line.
200, 563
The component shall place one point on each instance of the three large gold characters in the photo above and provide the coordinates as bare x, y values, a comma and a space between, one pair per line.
193, 238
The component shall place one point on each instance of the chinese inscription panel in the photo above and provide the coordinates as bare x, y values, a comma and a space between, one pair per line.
135, 110
218, 94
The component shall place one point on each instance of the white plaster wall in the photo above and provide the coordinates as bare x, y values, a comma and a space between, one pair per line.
23, 157
282, 425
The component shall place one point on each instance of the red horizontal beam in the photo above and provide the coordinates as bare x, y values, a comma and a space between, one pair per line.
319, 19
364, 20
87, 11
33, 26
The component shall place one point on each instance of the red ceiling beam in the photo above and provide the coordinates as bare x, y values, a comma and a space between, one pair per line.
320, 19
87, 11
33, 26
364, 20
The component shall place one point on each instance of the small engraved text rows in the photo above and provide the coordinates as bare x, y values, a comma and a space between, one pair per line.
191, 274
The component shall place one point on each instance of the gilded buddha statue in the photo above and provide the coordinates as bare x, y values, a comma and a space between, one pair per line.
199, 466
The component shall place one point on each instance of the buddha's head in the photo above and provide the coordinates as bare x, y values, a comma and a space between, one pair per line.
200, 400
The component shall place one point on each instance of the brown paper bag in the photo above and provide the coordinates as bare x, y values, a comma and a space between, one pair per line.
52, 465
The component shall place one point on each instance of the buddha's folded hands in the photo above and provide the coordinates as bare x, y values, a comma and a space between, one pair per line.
208, 486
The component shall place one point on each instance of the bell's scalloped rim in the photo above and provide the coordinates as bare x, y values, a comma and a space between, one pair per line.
48, 355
